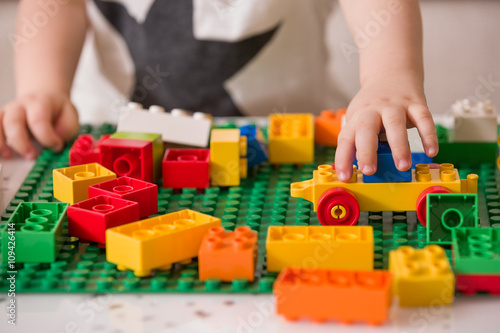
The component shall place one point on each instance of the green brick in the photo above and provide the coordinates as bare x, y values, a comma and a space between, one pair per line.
37, 229
476, 250
472, 153
157, 147
446, 212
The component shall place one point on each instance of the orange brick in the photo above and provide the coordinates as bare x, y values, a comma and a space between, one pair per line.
324, 294
228, 255
328, 126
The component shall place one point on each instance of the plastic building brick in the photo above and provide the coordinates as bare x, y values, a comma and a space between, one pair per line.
186, 168
470, 153
89, 219
422, 277
327, 127
386, 169
126, 188
227, 162
228, 256
85, 150
71, 184
476, 250
158, 242
157, 147
131, 158
331, 247
475, 122
291, 138
34, 232
177, 126
342, 295
338, 203
256, 145
446, 212
469, 284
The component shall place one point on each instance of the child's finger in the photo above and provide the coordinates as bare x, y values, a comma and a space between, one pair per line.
39, 120
16, 132
367, 131
344, 155
421, 117
4, 149
67, 125
394, 121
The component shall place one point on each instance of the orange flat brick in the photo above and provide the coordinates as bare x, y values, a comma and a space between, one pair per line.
327, 127
228, 255
342, 295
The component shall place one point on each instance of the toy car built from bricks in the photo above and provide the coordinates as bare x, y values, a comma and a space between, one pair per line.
338, 203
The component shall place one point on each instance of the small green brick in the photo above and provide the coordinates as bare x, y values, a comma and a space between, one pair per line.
476, 250
446, 212
34, 232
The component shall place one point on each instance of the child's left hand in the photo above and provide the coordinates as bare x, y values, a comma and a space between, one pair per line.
391, 103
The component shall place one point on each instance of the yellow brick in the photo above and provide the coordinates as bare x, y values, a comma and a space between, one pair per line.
71, 184
291, 138
225, 157
334, 247
158, 242
422, 277
373, 196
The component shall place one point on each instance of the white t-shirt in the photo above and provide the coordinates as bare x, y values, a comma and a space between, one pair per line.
225, 57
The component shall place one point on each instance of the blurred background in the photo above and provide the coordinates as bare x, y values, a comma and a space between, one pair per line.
461, 48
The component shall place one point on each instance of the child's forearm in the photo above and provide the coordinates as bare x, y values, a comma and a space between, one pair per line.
388, 34
48, 45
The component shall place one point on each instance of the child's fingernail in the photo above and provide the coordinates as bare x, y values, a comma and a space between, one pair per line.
342, 176
367, 169
432, 151
404, 164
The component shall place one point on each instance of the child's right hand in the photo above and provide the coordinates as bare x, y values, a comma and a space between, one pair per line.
49, 117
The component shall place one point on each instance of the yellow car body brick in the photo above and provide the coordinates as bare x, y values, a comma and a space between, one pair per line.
334, 247
71, 184
291, 138
158, 242
225, 147
379, 196
422, 277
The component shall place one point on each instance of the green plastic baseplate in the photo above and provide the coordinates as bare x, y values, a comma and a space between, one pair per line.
260, 201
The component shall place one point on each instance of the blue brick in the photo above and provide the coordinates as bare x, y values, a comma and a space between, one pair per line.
256, 147
386, 169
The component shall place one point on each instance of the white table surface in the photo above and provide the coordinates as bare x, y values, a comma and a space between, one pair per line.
151, 313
